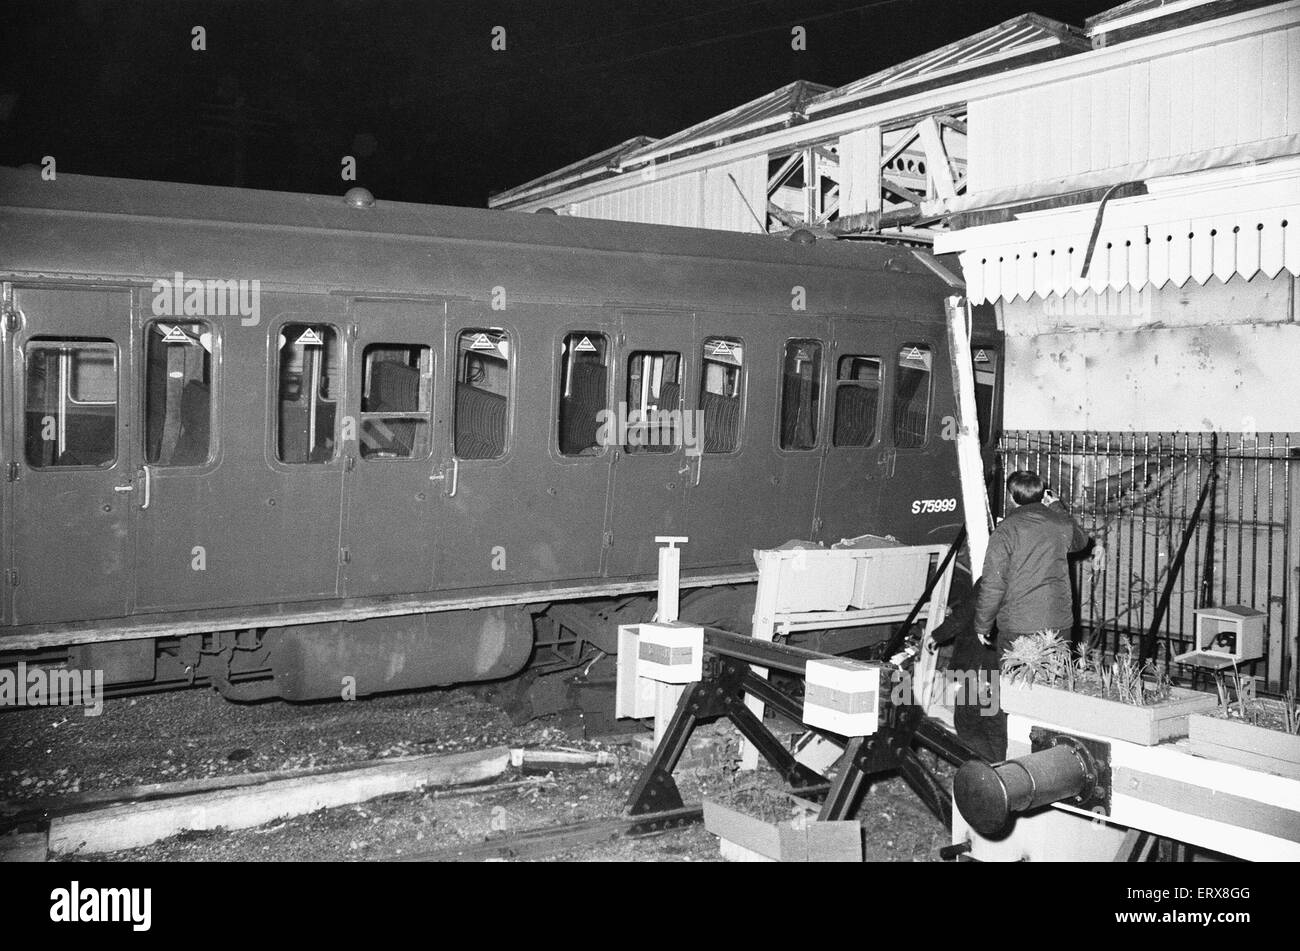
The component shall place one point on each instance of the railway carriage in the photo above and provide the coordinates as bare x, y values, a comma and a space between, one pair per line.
295, 445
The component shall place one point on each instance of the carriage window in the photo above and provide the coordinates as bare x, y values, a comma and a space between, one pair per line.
178, 393
912, 396
71, 403
654, 400
800, 393
482, 393
583, 375
396, 383
986, 384
722, 388
308, 398
857, 400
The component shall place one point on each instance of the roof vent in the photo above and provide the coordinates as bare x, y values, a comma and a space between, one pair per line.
802, 236
359, 197
546, 211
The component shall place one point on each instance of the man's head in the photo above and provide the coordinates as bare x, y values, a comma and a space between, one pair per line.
1025, 487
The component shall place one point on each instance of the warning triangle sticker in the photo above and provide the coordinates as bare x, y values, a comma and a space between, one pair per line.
914, 354
981, 356
310, 338
721, 349
585, 346
482, 342
176, 335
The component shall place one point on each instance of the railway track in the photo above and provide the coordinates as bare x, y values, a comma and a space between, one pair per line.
550, 840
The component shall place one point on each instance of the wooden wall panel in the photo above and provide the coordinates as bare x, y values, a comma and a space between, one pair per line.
1228, 95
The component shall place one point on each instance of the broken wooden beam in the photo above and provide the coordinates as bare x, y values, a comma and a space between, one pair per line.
130, 826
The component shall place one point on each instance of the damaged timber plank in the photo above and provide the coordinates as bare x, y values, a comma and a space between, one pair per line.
138, 824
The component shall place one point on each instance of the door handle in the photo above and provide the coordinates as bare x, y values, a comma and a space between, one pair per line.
455, 477
123, 488
148, 488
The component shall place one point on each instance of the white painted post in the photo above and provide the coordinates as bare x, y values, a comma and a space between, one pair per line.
669, 597
975, 501
670, 570
974, 497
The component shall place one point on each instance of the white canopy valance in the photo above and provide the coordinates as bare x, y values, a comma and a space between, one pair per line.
1238, 221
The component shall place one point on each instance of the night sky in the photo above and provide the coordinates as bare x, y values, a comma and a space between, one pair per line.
413, 88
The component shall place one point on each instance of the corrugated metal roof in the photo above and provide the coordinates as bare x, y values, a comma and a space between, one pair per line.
800, 101
778, 108
592, 167
1015, 37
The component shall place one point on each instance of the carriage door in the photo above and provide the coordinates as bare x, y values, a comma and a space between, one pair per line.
651, 467
70, 481
920, 502
850, 483
800, 436
485, 473
182, 560
727, 446
389, 533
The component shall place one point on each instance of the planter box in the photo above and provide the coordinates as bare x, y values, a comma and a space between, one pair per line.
1145, 726
1256, 747
755, 839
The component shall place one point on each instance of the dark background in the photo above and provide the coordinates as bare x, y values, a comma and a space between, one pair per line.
413, 89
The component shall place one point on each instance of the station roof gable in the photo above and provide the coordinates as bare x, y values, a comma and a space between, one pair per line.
985, 52
777, 109
591, 168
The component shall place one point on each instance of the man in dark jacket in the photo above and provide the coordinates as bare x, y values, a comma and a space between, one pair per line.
1025, 588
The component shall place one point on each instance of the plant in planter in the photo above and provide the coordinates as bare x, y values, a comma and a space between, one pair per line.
1122, 696
1249, 730
1046, 659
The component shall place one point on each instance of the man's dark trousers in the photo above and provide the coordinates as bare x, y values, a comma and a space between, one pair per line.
979, 720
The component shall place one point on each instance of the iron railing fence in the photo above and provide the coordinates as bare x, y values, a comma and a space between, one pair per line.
1135, 494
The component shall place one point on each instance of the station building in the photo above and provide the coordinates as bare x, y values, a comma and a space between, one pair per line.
1126, 195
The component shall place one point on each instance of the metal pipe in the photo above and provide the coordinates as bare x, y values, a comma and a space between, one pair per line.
793, 660
1207, 574
988, 795
896, 640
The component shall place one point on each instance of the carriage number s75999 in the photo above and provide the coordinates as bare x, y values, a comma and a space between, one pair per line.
921, 506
